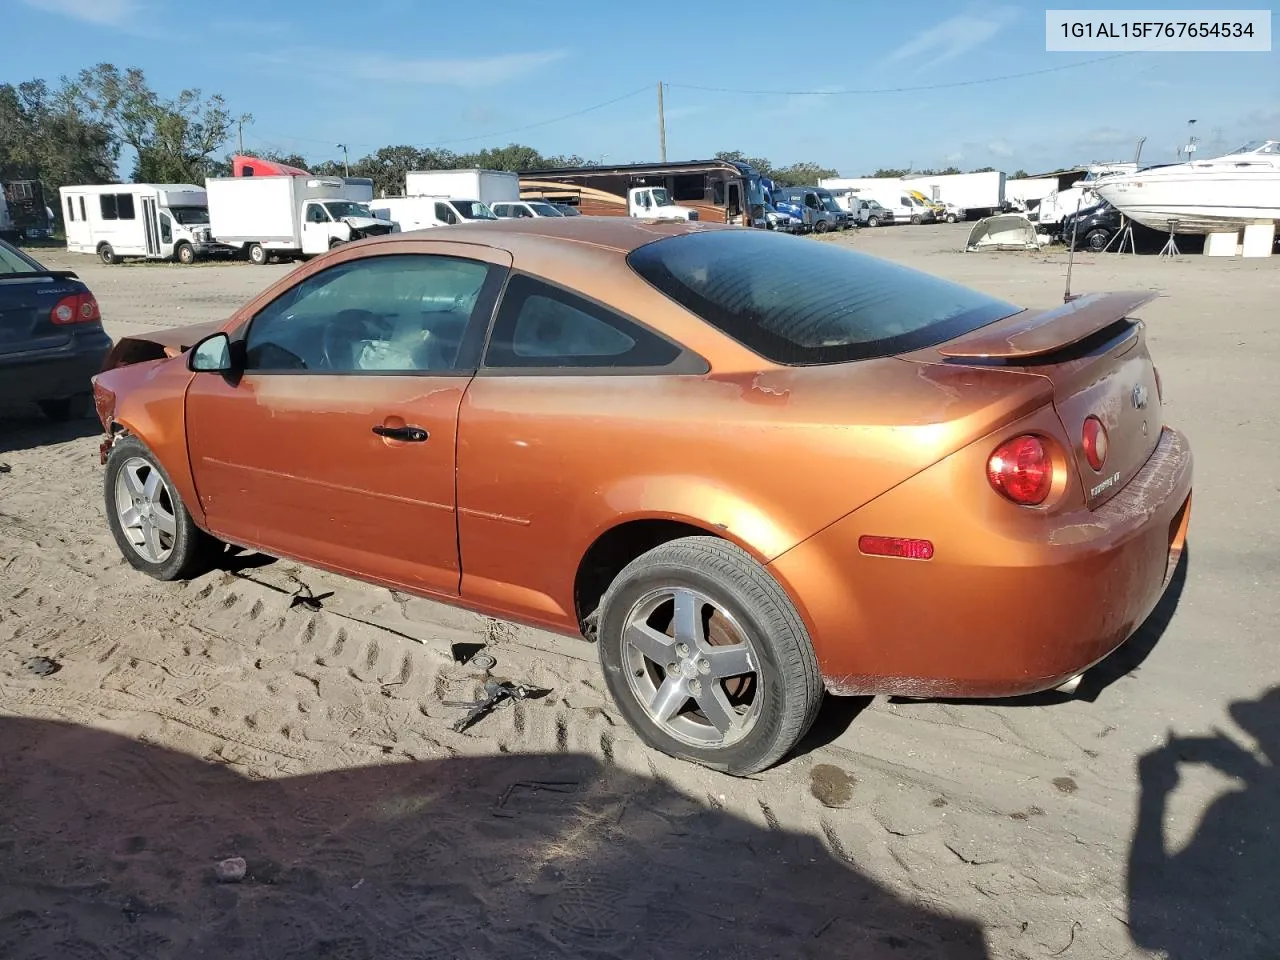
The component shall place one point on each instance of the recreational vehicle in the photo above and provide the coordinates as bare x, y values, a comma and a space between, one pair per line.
709, 191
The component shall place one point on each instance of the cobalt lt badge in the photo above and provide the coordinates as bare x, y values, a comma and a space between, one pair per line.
1139, 397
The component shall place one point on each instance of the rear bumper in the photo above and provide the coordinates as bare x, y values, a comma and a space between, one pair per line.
53, 377
997, 611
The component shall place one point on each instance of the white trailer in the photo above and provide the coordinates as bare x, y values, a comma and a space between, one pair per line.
288, 216
487, 186
1029, 191
979, 194
154, 221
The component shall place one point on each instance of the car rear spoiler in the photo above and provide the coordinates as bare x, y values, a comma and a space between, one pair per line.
1029, 335
51, 274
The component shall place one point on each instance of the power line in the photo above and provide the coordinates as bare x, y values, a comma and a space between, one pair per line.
543, 123
916, 89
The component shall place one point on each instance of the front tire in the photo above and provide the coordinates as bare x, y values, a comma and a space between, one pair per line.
186, 254
873, 221
915, 219
148, 519
820, 227
707, 658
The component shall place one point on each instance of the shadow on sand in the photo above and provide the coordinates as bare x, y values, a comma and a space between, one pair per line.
107, 849
1215, 897
23, 428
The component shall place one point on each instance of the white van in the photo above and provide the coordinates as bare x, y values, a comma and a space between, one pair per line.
155, 221
420, 213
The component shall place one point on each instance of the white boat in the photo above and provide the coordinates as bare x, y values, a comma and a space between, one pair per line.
1219, 195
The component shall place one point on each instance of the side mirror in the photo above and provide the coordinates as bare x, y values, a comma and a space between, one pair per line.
211, 355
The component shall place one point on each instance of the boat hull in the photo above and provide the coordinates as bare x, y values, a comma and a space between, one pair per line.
1200, 201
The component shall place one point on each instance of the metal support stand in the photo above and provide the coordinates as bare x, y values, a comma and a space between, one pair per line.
1171, 247
1125, 235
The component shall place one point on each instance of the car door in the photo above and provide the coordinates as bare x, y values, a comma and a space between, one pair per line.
334, 442
315, 228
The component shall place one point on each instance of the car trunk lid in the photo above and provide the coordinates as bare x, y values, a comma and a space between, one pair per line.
26, 303
1095, 355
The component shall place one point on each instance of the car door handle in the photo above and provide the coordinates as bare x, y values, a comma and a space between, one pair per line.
407, 434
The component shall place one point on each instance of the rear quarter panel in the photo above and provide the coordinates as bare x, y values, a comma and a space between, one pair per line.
547, 464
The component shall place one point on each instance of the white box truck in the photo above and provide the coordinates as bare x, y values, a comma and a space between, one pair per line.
154, 221
288, 216
487, 186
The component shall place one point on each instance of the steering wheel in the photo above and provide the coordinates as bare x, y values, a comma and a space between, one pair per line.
339, 336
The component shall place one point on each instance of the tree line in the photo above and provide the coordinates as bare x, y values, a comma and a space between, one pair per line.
75, 132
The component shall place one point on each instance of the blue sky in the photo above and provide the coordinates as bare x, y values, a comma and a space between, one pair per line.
465, 75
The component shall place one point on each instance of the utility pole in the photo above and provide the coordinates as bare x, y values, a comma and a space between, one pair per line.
239, 136
662, 126
346, 167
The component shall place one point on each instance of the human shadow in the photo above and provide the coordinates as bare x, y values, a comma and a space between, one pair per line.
24, 428
108, 846
1216, 897
1122, 662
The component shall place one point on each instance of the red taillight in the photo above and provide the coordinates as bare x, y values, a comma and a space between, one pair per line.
1094, 441
896, 547
77, 308
1022, 470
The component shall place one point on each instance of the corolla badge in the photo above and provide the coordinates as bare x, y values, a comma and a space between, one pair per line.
1139, 397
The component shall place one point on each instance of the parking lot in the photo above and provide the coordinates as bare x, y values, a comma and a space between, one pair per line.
314, 738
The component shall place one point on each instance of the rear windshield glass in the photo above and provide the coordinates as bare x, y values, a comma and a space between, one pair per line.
797, 301
12, 262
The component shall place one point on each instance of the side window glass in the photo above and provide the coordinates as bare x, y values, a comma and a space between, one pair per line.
71, 210
107, 204
82, 213
444, 214
166, 228
124, 205
717, 193
540, 325
402, 314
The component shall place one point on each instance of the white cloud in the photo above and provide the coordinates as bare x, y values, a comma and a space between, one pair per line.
999, 148
471, 73
106, 12
955, 36
953, 158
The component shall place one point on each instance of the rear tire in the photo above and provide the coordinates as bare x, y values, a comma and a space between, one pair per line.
107, 255
258, 254
1096, 240
765, 696
141, 500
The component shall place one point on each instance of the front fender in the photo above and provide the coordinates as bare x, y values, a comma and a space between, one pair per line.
148, 401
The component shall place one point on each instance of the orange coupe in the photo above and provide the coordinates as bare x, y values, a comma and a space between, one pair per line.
751, 467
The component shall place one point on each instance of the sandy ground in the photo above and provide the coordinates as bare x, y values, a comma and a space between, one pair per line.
213, 719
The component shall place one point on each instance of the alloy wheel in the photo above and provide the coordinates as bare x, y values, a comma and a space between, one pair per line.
691, 667
145, 509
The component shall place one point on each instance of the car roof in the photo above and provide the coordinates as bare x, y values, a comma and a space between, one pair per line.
621, 234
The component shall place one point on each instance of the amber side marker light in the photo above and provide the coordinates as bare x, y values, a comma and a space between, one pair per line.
896, 547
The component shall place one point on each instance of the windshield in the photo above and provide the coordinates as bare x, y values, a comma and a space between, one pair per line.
190, 216
545, 210
755, 192
829, 203
344, 208
661, 198
13, 262
473, 210
797, 302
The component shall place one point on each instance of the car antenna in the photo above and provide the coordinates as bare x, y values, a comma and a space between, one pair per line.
1067, 295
